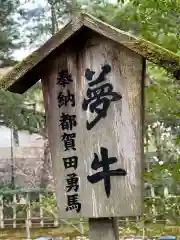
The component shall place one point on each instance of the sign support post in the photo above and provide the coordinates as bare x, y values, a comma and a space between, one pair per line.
103, 229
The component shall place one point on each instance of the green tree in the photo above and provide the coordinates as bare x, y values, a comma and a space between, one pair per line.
13, 111
9, 35
19, 112
43, 22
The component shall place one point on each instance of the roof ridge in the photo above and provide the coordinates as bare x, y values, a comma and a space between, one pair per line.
148, 50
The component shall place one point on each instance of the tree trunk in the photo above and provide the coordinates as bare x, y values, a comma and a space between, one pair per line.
73, 11
54, 23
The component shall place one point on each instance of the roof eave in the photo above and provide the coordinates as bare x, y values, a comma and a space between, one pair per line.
152, 52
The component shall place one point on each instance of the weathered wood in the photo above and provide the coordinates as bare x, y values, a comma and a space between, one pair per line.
115, 227
150, 51
28, 232
41, 211
120, 132
30, 70
103, 229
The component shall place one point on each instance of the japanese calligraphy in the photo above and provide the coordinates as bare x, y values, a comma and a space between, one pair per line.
67, 122
73, 203
72, 182
69, 141
70, 162
64, 100
99, 98
64, 78
89, 75
106, 173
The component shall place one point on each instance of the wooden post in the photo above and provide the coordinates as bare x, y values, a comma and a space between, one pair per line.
41, 211
28, 234
56, 219
28, 210
81, 226
14, 210
103, 229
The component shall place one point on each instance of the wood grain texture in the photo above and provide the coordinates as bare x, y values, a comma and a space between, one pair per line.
120, 132
103, 229
150, 51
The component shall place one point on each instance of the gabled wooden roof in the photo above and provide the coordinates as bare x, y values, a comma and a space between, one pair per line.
27, 73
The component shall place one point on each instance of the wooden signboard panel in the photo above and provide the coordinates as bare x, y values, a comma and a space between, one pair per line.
94, 107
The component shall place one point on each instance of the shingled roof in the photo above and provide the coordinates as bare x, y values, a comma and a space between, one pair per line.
26, 73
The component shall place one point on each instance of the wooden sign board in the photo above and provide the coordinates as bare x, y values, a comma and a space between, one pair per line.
95, 130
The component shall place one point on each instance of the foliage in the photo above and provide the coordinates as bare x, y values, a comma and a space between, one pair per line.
163, 208
157, 21
41, 22
49, 206
161, 98
9, 35
162, 18
17, 112
166, 209
6, 189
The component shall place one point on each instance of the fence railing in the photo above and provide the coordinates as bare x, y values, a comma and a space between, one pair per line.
19, 209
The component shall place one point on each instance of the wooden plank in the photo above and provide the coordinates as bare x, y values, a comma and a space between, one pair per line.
120, 132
